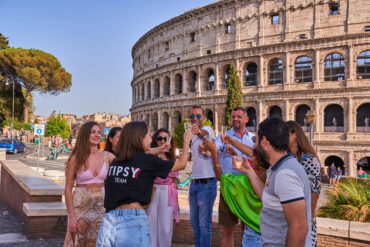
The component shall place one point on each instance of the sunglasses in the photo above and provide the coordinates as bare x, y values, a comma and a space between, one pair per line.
160, 138
198, 116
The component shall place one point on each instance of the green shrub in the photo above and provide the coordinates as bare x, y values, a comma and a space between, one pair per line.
350, 200
179, 131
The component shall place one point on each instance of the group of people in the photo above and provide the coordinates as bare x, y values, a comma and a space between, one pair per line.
127, 194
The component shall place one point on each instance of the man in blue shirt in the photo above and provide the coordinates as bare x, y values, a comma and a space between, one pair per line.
239, 119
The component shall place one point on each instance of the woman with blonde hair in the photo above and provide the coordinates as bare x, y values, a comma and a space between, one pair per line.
302, 149
86, 170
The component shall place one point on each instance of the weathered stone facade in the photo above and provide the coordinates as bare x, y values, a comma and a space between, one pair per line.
291, 55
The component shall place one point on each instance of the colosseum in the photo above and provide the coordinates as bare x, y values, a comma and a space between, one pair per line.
292, 56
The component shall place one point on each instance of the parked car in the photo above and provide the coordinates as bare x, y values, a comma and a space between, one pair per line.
12, 145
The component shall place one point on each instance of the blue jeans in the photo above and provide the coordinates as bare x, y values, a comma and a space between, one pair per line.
251, 238
201, 200
124, 227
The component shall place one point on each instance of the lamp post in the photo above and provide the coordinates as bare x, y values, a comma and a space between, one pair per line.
310, 116
9, 78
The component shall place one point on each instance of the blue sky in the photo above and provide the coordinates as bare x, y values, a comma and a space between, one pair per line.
92, 39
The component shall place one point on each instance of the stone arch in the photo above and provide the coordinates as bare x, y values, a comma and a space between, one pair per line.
363, 65
147, 119
166, 120
275, 111
178, 83
225, 77
209, 115
167, 86
334, 67
157, 88
338, 161
149, 90
364, 162
192, 80
275, 71
210, 80
142, 92
154, 121
333, 118
176, 119
250, 74
300, 116
252, 123
303, 69
363, 118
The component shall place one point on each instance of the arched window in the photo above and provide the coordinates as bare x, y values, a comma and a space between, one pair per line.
149, 90
178, 83
334, 67
210, 85
166, 121
300, 116
276, 71
251, 74
252, 123
303, 69
156, 88
142, 92
209, 115
363, 118
333, 119
337, 161
193, 77
155, 121
167, 86
226, 76
147, 119
364, 163
363, 65
276, 111
177, 118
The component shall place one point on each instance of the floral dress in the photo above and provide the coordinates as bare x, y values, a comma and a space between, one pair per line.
312, 167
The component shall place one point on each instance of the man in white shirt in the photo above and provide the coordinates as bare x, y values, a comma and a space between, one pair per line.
203, 188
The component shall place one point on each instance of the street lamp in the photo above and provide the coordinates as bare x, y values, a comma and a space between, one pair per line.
9, 78
310, 116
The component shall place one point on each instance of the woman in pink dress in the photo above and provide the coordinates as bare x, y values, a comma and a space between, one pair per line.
164, 205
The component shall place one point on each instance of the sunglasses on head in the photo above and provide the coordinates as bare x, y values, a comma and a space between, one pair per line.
192, 116
160, 138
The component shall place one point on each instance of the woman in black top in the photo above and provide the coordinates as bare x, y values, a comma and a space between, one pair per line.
129, 185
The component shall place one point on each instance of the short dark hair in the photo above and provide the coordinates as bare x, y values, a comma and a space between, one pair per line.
276, 132
112, 133
197, 107
239, 108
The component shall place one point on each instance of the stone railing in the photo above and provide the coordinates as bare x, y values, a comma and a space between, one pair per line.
36, 199
331, 232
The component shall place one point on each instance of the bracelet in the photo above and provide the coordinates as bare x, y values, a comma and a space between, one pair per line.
217, 165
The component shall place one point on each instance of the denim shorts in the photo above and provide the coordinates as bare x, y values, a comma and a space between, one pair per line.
251, 238
124, 227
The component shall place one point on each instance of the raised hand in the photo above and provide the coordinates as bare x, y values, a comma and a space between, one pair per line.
188, 135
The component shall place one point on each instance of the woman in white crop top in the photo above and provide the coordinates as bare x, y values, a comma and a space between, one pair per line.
87, 167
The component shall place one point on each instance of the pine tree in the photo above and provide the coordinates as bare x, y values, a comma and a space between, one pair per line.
234, 93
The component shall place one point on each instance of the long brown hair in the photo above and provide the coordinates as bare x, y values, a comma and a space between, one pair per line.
171, 153
81, 150
131, 140
304, 145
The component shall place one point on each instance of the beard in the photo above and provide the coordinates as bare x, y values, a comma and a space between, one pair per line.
261, 154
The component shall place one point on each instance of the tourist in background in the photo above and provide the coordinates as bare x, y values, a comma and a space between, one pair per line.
302, 149
129, 186
332, 175
362, 173
338, 175
203, 187
112, 139
164, 205
86, 169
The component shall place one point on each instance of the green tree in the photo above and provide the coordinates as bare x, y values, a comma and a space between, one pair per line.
34, 70
179, 131
234, 93
57, 125
4, 42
